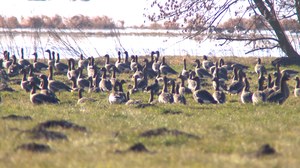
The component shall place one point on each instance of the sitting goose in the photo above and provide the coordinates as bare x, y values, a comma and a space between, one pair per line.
165, 68
259, 67
202, 96
44, 87
55, 85
117, 96
72, 72
130, 101
105, 84
237, 86
25, 84
218, 95
60, 67
259, 96
14, 68
206, 64
23, 62
269, 89
7, 62
178, 98
3, 75
246, 96
165, 96
182, 88
156, 63
38, 66
297, 87
93, 86
201, 72
82, 99
282, 94
81, 81
107, 64
39, 98
192, 83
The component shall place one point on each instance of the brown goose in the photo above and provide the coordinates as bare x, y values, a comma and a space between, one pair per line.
165, 96
38, 66
105, 84
282, 94
269, 89
25, 84
182, 88
23, 62
178, 98
44, 86
185, 73
117, 96
165, 68
7, 62
82, 99
14, 68
237, 86
156, 63
202, 96
192, 83
259, 96
297, 87
50, 60
259, 67
82, 63
60, 67
121, 66
201, 72
107, 64
218, 95
3, 75
246, 95
81, 81
207, 64
32, 77
72, 72
91, 67
93, 85
131, 101
55, 85
39, 98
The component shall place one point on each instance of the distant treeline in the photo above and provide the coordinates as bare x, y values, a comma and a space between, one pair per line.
104, 22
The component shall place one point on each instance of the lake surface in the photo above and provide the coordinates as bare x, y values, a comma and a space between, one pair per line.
135, 41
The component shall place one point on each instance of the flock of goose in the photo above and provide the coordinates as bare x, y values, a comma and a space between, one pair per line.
38, 78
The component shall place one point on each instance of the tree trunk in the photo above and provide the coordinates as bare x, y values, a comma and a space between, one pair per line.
284, 42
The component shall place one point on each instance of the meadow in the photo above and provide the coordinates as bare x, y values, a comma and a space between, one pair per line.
163, 135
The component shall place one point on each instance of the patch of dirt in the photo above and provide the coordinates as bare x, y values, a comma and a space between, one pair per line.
16, 117
60, 123
138, 148
48, 135
165, 131
171, 112
34, 147
265, 150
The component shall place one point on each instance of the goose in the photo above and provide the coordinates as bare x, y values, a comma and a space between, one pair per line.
237, 86
14, 68
148, 67
7, 62
156, 63
105, 84
126, 59
218, 94
297, 87
32, 77
50, 60
130, 101
259, 96
55, 85
222, 72
277, 76
117, 97
185, 73
291, 73
113, 77
178, 98
182, 88
227, 67
280, 95
72, 72
107, 64
269, 89
246, 95
158, 77
93, 86
39, 98
221, 82
4, 87
206, 64
25, 84
82, 99
138, 73
143, 83
134, 89
74, 87
235, 76
165, 68
201, 72
91, 68
82, 63
60, 67
44, 86
192, 83
23, 62
134, 64
202, 96
153, 87
259, 67
165, 96
3, 75
122, 67
82, 82
38, 66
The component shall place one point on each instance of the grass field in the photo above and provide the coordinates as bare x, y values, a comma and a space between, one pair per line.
193, 135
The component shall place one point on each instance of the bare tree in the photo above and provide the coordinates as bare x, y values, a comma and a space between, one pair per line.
199, 17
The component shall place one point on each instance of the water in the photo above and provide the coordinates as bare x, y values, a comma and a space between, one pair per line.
135, 41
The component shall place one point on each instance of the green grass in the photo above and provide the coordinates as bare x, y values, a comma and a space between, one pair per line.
229, 134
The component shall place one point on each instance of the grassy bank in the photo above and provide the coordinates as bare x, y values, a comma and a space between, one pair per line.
192, 135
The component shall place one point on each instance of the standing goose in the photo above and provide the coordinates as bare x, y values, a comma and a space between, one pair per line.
282, 94
25, 84
185, 73
201, 72
192, 83
134, 89
237, 86
122, 67
207, 64
14, 68
182, 88
93, 86
246, 96
202, 96
82, 63
126, 60
81, 81
165, 96
117, 96
221, 82
74, 87
44, 87
91, 67
82, 99
154, 87
297, 87
3, 75
259, 96
32, 77
7, 62
259, 67
105, 84
50, 60
178, 98
23, 62
38, 66
165, 68
148, 67
60, 67
113, 77
107, 64
269, 89
39, 98
72, 72
156, 63
218, 95
55, 85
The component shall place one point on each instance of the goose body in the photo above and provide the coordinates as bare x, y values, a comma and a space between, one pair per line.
55, 85
202, 96
60, 67
165, 96
38, 66
178, 98
207, 64
117, 96
259, 67
218, 94
297, 87
105, 84
82, 99
82, 63
23, 62
25, 84
185, 73
39, 98
246, 95
282, 94
259, 96
72, 72
236, 86
165, 68
201, 72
